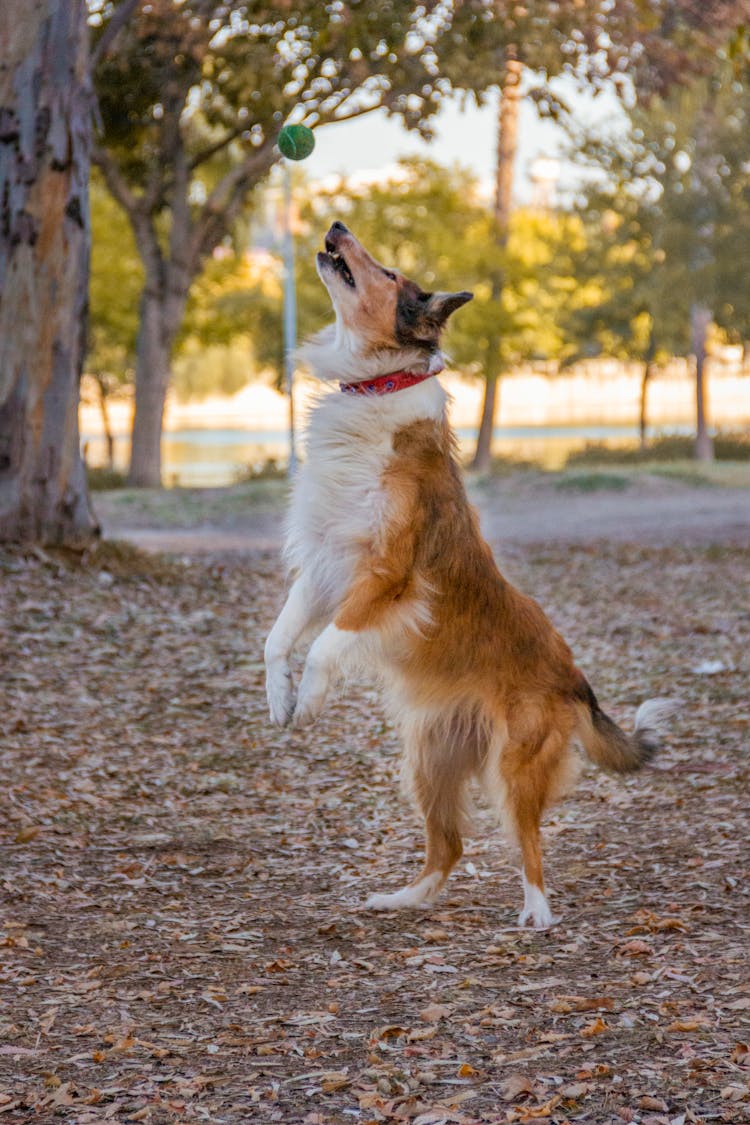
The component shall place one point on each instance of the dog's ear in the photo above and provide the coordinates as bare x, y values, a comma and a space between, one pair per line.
439, 306
420, 316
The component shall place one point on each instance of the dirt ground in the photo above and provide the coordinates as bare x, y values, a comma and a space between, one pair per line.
182, 936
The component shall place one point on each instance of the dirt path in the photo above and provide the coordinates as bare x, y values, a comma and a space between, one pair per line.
520, 509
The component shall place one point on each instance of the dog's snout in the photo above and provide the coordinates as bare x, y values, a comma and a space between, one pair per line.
339, 227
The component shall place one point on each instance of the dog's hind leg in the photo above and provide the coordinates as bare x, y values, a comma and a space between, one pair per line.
439, 774
534, 775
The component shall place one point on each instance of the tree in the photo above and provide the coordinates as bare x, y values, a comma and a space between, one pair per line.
667, 227
115, 285
193, 94
432, 223
660, 48
507, 144
230, 306
192, 97
45, 108
630, 300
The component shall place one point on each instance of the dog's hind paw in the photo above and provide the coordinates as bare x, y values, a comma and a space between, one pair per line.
421, 893
536, 913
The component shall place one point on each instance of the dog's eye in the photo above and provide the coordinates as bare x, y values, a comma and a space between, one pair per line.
390, 274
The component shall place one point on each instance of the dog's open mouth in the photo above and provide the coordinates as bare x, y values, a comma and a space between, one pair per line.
338, 262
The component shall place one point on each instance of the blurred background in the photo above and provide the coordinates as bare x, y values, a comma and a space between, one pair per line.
593, 192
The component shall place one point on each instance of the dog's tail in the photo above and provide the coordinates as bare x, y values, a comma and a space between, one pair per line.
609, 746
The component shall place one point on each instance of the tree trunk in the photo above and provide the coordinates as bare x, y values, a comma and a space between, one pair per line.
700, 318
507, 145
157, 329
648, 370
642, 417
45, 136
483, 455
106, 426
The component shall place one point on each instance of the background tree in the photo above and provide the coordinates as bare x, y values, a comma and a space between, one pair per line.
432, 223
45, 107
115, 285
666, 225
193, 94
192, 97
630, 302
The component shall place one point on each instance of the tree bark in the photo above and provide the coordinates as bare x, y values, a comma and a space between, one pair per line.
45, 135
648, 370
700, 318
106, 426
507, 146
643, 419
158, 325
482, 457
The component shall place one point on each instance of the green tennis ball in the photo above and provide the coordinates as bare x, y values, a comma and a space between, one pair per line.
296, 142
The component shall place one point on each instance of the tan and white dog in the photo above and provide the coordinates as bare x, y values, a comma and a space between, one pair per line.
391, 573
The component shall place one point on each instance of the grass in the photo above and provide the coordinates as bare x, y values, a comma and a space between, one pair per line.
593, 482
101, 479
727, 447
189, 507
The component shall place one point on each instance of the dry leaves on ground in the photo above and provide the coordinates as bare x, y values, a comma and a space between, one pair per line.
182, 938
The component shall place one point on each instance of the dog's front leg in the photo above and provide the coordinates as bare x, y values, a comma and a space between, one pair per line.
324, 660
296, 616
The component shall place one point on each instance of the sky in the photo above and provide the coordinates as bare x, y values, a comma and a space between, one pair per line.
369, 146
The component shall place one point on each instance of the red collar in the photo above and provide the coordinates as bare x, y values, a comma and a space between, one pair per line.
386, 384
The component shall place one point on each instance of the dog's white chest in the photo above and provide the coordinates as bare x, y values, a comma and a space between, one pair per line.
339, 504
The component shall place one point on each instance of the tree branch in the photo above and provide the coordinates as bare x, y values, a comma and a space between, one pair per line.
225, 201
211, 150
115, 180
110, 32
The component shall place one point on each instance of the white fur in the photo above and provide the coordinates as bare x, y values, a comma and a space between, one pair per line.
535, 907
293, 620
327, 657
653, 714
338, 504
416, 894
335, 353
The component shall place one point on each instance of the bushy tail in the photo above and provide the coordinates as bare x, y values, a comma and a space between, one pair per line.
610, 747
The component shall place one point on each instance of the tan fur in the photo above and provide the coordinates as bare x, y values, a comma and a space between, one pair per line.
490, 660
373, 314
481, 685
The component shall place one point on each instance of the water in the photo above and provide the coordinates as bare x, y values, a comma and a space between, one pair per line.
212, 458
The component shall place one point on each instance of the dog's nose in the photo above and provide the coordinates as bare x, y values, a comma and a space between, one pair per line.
339, 227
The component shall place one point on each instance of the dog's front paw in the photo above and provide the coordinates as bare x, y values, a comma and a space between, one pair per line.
312, 695
308, 709
280, 693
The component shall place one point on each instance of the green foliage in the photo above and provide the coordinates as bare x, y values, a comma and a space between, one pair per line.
593, 482
102, 479
431, 223
669, 225
116, 280
727, 447
214, 370
234, 302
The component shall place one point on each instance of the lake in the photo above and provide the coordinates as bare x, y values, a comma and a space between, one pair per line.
215, 457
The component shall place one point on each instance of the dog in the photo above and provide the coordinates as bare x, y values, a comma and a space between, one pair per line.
391, 573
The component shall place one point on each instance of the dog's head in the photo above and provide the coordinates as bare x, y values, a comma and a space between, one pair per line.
379, 307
